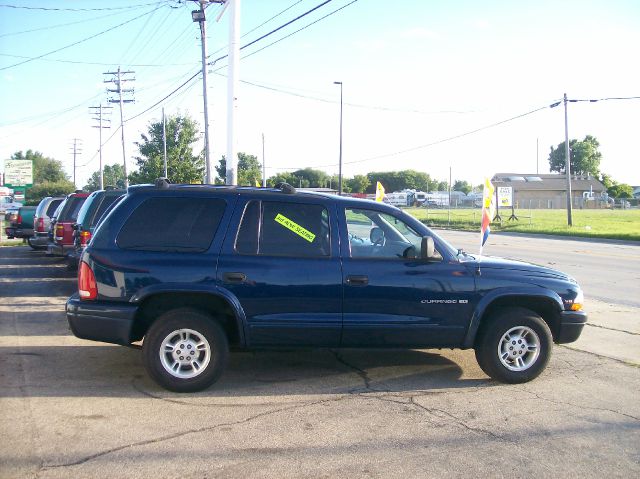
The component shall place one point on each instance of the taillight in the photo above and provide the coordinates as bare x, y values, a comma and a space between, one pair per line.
85, 236
87, 286
19, 219
40, 225
59, 232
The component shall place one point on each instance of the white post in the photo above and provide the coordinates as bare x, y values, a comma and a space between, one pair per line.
567, 162
232, 83
264, 166
164, 142
100, 150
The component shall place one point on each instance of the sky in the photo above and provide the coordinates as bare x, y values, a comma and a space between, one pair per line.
435, 86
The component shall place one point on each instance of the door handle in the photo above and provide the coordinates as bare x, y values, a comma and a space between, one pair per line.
357, 280
234, 277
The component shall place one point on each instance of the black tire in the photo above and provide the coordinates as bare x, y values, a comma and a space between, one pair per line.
198, 338
520, 357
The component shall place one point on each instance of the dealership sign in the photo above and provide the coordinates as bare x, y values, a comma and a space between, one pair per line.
18, 173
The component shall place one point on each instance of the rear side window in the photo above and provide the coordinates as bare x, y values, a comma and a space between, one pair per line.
172, 225
105, 206
71, 209
284, 229
53, 206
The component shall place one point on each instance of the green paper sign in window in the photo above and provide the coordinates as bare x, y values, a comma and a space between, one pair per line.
295, 227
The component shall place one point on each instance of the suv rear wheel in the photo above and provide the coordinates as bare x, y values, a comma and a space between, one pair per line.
185, 350
514, 346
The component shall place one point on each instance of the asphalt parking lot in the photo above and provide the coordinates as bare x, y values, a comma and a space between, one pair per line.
73, 408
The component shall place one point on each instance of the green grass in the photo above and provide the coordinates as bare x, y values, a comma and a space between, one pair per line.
613, 224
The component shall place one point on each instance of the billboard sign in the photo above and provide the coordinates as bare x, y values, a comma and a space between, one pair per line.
18, 173
505, 196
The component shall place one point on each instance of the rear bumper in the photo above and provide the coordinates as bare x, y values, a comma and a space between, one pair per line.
571, 325
55, 249
99, 321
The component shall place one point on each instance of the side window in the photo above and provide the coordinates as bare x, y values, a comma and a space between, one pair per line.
284, 229
380, 235
172, 224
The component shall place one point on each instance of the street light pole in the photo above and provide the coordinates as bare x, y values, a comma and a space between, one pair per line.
340, 162
567, 159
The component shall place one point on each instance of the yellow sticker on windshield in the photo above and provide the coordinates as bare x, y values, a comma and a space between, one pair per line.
295, 227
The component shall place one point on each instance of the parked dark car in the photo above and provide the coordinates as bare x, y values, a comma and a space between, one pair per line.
41, 221
195, 269
63, 225
22, 224
96, 204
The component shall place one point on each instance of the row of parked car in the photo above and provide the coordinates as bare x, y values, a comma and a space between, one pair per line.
62, 225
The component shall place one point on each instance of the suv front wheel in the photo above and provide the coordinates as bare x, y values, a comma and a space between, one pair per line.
185, 350
514, 346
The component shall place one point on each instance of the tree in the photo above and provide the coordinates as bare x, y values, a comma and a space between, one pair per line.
284, 177
48, 188
113, 176
44, 168
620, 190
584, 157
463, 186
248, 170
359, 183
315, 178
401, 180
182, 165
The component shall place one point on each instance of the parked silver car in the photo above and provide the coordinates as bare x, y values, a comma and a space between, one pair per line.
42, 220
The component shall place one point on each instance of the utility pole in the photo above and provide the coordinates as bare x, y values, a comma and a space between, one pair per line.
117, 79
101, 111
567, 161
75, 151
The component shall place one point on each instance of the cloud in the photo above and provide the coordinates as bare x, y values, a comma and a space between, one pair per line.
480, 24
8, 77
419, 32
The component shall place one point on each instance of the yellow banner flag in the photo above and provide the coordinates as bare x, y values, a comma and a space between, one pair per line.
379, 192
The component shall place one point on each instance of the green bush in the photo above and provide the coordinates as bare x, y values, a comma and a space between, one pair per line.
48, 188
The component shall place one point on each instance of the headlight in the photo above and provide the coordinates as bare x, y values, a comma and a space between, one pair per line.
578, 301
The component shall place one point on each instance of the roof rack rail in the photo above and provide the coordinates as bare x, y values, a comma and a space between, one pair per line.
286, 188
162, 183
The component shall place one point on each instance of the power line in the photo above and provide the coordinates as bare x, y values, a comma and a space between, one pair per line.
301, 29
78, 42
60, 25
354, 105
58, 9
443, 140
276, 29
164, 98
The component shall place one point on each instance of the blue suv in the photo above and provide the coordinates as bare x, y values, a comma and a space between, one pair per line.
194, 270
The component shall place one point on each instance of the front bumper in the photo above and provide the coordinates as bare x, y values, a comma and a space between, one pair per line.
100, 321
571, 325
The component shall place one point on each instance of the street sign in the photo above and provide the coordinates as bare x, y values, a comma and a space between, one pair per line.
18, 173
505, 196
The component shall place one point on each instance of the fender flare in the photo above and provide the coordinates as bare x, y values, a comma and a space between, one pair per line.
497, 294
205, 289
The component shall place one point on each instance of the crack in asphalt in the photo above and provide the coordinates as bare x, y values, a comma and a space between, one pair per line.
601, 356
613, 329
576, 406
459, 421
185, 433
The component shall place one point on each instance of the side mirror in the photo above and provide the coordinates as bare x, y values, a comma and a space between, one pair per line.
427, 248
